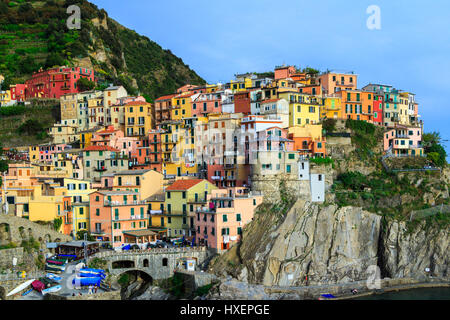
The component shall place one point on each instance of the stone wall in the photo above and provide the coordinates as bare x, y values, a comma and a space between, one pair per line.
7, 255
15, 229
194, 279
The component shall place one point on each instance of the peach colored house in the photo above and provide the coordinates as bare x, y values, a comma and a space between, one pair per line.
284, 72
115, 139
403, 141
333, 82
219, 225
116, 213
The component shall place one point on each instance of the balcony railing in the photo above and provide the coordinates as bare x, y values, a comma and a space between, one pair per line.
102, 169
108, 203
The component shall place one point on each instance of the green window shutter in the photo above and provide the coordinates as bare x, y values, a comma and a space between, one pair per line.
224, 217
238, 217
132, 211
97, 212
142, 212
239, 231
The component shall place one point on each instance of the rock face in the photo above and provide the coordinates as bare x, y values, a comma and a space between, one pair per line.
153, 293
408, 254
316, 245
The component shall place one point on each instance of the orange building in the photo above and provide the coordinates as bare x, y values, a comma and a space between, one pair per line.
357, 105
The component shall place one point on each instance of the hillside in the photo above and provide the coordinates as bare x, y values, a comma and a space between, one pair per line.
34, 34
24, 126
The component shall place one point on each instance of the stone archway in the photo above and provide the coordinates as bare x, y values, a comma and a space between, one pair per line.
22, 233
134, 283
47, 238
123, 264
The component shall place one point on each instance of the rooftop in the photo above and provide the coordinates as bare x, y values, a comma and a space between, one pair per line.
181, 185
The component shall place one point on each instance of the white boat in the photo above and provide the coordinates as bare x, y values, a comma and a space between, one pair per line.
53, 277
52, 289
21, 287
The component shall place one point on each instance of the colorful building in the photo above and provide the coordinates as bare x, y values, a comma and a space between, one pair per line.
220, 223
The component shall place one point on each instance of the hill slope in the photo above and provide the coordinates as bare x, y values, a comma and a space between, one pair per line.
34, 34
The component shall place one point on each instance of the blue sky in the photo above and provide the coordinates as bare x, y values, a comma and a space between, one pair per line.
221, 38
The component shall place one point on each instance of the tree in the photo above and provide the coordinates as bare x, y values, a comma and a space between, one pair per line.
433, 148
57, 223
84, 84
81, 233
329, 125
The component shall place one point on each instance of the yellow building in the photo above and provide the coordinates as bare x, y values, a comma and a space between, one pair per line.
332, 108
138, 118
240, 84
182, 105
79, 190
303, 109
33, 153
5, 98
49, 202
145, 182
403, 106
157, 221
182, 199
178, 147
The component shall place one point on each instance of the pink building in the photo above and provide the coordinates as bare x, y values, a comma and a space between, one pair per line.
18, 92
115, 139
220, 224
114, 214
403, 141
46, 151
206, 103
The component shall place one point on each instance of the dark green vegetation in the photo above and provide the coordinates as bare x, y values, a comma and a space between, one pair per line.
34, 34
329, 125
365, 137
393, 196
81, 233
434, 149
27, 125
98, 263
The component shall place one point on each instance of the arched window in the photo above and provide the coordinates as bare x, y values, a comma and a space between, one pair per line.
145, 263
164, 262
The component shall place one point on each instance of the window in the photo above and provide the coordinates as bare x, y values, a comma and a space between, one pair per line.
225, 231
225, 218
238, 217
184, 194
239, 231
97, 212
288, 168
292, 156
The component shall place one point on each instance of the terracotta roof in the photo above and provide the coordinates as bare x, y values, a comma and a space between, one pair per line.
270, 100
183, 184
169, 96
137, 103
101, 148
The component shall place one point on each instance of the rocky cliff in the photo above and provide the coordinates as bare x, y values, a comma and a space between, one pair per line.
323, 244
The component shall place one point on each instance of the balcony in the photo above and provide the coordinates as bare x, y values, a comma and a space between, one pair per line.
108, 203
217, 178
137, 217
230, 166
98, 232
102, 169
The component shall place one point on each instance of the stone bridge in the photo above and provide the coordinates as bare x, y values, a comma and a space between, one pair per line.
156, 263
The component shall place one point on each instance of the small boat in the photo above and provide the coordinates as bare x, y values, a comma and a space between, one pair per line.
56, 270
53, 277
56, 262
21, 287
52, 289
60, 268
38, 285
27, 292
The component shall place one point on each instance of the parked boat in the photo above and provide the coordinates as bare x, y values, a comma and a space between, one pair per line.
38, 285
21, 287
52, 289
53, 277
82, 282
27, 292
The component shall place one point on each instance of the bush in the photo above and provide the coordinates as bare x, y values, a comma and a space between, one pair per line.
329, 125
124, 280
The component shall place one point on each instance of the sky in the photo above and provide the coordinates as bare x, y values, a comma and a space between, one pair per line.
218, 39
